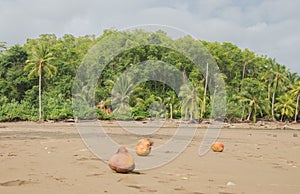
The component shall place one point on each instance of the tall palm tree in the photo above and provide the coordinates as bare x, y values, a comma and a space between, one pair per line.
40, 62
296, 93
279, 76
204, 95
267, 78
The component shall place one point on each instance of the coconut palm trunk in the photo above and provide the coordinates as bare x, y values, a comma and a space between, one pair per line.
273, 99
204, 95
296, 93
297, 104
171, 111
40, 64
243, 112
269, 89
254, 113
249, 115
40, 91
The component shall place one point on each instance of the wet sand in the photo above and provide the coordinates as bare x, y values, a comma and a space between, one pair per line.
52, 158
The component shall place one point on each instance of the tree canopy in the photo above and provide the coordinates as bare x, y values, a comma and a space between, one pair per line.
257, 87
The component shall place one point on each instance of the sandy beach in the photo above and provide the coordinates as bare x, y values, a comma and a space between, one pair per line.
52, 158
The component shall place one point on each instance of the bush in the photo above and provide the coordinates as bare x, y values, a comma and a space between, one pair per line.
102, 116
14, 110
56, 108
139, 114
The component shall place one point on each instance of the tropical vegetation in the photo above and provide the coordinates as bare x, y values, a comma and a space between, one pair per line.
36, 81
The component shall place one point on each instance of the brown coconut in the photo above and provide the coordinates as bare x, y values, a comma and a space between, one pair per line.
122, 161
217, 147
143, 148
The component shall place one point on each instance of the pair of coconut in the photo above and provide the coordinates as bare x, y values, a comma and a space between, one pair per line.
123, 161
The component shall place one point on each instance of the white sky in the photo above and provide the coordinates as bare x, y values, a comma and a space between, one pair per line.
270, 27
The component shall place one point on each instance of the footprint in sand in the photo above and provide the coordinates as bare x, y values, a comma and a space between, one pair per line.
295, 135
60, 179
15, 183
142, 188
85, 159
95, 174
11, 154
179, 189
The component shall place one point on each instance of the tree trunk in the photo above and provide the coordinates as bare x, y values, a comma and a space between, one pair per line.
204, 95
269, 90
244, 70
249, 115
171, 111
243, 112
273, 100
254, 114
184, 78
296, 113
186, 114
40, 93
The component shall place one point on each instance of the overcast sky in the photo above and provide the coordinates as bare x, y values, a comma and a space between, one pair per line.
270, 27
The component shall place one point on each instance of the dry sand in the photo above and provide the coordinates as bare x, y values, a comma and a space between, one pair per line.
52, 158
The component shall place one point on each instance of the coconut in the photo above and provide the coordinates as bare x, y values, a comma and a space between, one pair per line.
143, 148
217, 147
122, 161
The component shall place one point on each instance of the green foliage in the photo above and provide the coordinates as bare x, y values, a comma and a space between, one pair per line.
139, 114
101, 115
257, 87
56, 107
14, 110
189, 102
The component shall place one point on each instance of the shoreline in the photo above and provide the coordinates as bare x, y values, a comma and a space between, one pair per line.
268, 125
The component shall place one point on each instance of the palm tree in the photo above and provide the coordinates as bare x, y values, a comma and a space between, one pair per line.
293, 78
171, 101
157, 108
2, 46
257, 105
267, 78
279, 76
285, 106
40, 62
245, 100
252, 96
189, 102
120, 96
296, 92
204, 95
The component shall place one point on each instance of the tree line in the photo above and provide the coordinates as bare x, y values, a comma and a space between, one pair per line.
36, 80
